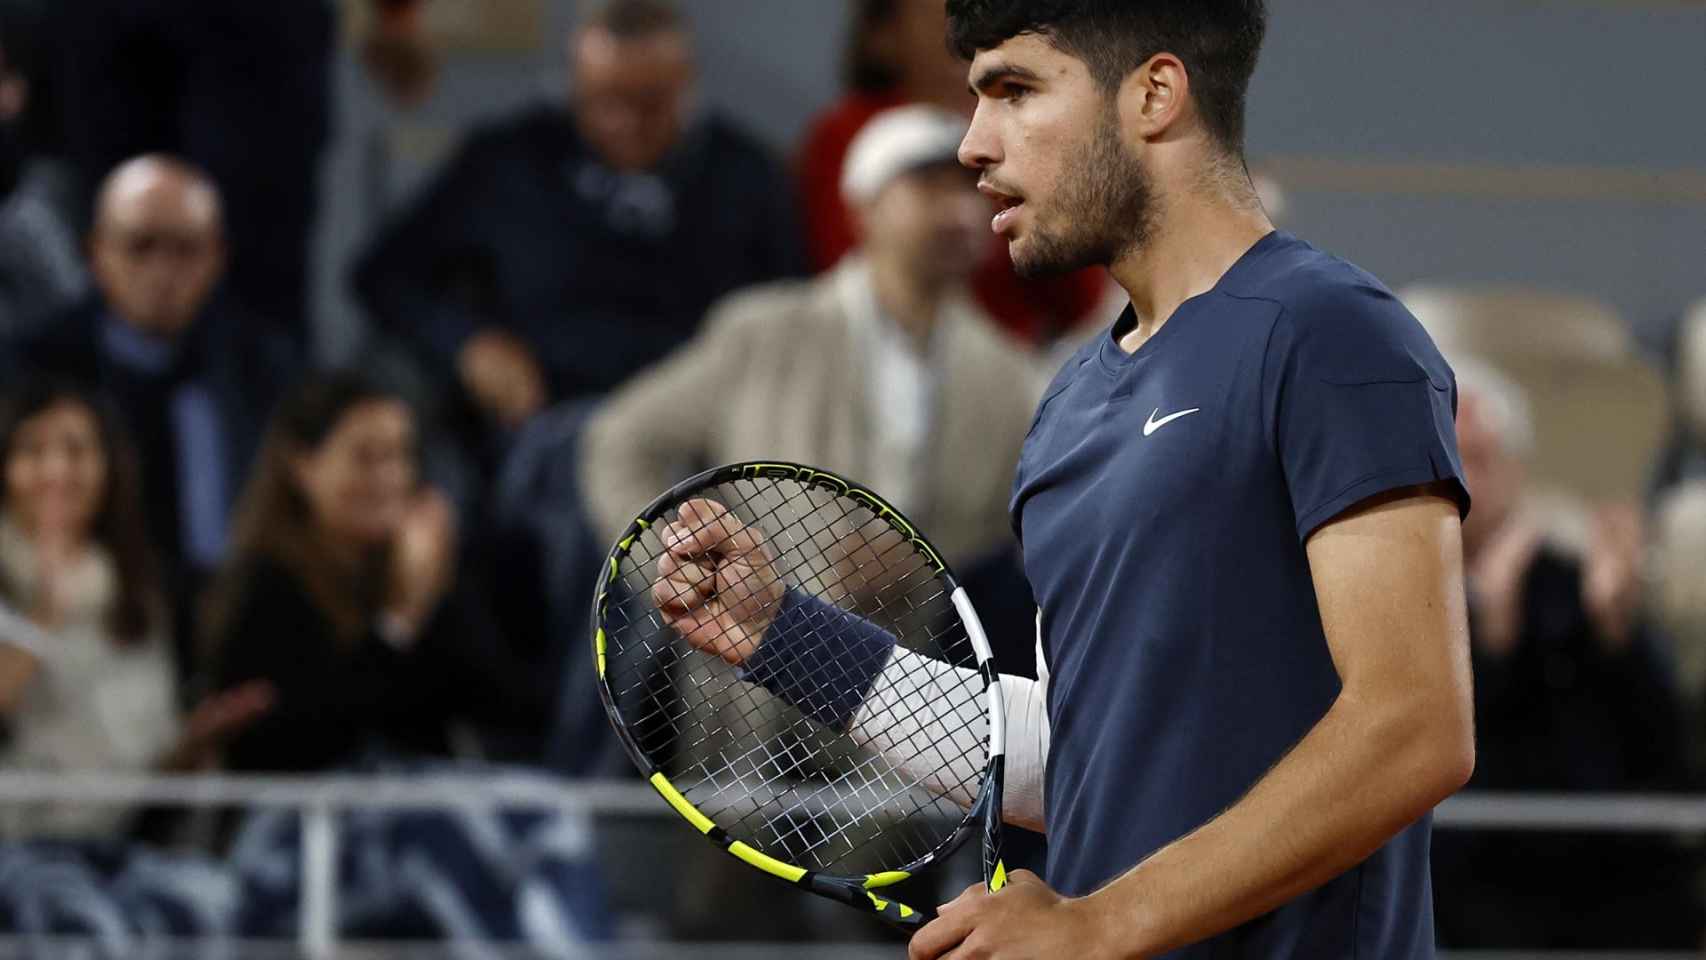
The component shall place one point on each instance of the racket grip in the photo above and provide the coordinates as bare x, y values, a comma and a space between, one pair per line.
905, 919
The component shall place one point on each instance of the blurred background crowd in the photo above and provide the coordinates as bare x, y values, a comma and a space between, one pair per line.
337, 340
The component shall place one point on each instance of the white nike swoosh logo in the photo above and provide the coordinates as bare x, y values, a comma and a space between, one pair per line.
1154, 424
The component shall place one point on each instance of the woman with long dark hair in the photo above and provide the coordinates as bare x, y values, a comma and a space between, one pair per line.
341, 593
86, 671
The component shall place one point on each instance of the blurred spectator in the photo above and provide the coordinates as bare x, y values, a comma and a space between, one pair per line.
194, 378
87, 682
1571, 694
882, 370
563, 250
1679, 486
898, 53
239, 89
1680, 558
40, 272
396, 53
342, 594
1684, 459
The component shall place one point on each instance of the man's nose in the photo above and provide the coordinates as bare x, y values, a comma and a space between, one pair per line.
980, 148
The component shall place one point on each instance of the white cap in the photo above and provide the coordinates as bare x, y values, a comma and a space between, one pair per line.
898, 141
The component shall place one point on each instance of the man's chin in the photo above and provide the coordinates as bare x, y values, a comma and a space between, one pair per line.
1036, 255
1030, 264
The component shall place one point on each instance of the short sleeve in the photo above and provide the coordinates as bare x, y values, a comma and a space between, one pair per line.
1361, 403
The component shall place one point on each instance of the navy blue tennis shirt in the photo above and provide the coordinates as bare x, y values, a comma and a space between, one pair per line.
1163, 500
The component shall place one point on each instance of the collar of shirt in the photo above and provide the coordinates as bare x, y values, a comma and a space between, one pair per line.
135, 350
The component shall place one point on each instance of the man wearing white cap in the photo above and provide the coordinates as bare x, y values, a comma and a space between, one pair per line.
882, 369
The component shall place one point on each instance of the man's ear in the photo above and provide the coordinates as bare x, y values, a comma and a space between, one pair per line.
1154, 98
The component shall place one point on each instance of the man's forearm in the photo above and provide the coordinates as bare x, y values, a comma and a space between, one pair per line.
1363, 774
904, 736
909, 708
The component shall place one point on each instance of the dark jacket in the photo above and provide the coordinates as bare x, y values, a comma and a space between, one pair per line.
599, 273
336, 699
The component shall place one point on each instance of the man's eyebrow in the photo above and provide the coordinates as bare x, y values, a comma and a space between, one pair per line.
1001, 73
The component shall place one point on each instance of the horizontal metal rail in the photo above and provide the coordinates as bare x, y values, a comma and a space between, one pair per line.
321, 799
1618, 813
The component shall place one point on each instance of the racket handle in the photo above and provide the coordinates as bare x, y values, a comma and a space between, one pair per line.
994, 869
898, 915
905, 919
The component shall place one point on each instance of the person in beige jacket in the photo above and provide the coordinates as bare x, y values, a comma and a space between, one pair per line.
881, 369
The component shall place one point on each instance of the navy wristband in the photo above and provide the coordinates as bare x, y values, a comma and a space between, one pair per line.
819, 658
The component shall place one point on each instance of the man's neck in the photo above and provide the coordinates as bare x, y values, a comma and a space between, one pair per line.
910, 300
1196, 240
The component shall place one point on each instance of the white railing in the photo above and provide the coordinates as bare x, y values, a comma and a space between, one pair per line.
320, 799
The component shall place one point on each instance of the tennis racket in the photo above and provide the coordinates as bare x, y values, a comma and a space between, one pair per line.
795, 670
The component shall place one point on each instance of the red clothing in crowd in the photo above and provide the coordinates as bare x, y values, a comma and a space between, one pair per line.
1033, 310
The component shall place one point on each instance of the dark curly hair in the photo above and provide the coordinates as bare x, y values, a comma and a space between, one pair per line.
1217, 40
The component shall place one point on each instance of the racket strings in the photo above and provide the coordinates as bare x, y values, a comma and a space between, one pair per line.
830, 676
765, 771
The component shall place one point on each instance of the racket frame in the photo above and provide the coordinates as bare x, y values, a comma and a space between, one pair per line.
861, 892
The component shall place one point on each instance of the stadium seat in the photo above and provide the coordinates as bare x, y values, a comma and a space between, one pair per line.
1600, 409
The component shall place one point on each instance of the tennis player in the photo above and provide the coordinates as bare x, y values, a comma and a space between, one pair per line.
1240, 511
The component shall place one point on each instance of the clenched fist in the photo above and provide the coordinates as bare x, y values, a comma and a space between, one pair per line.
716, 583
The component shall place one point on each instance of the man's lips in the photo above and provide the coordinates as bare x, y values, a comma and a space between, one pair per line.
1008, 203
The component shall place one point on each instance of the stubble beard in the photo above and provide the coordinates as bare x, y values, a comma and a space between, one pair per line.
1106, 207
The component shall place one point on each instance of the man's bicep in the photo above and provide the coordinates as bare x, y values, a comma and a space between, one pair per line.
1361, 404
1388, 578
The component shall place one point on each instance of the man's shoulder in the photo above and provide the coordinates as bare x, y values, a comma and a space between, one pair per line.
1309, 282
1326, 301
802, 303
503, 142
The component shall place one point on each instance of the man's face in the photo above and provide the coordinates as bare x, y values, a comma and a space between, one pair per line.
156, 252
630, 96
930, 220
1047, 139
